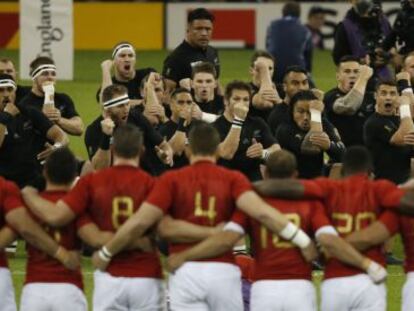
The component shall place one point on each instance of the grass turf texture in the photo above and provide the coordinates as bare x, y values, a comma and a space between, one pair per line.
234, 65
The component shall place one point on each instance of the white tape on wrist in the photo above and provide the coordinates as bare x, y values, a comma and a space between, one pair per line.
232, 226
265, 154
405, 111
408, 90
301, 239
208, 117
296, 235
326, 230
57, 145
240, 249
237, 123
106, 252
288, 231
103, 256
316, 115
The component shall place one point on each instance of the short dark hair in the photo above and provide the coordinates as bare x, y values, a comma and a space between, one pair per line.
357, 159
61, 167
205, 67
291, 9
236, 85
299, 96
385, 82
316, 10
179, 90
6, 60
5, 76
204, 139
41, 60
258, 54
127, 141
348, 58
114, 89
297, 69
281, 164
199, 13
122, 42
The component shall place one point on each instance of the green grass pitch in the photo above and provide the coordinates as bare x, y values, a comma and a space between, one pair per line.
234, 65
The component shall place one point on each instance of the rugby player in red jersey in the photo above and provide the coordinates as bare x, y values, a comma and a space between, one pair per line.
352, 204
282, 278
110, 196
204, 194
380, 231
14, 220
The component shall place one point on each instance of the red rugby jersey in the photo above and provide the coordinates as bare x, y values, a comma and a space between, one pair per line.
10, 199
352, 204
202, 193
110, 197
407, 233
276, 258
41, 268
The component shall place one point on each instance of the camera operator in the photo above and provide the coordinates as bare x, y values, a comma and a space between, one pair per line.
401, 35
361, 34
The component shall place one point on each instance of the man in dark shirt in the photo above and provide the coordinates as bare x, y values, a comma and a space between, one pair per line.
58, 107
265, 95
194, 49
7, 67
308, 137
23, 134
349, 104
152, 106
390, 137
177, 128
289, 41
209, 105
316, 19
245, 140
295, 80
123, 63
360, 33
116, 111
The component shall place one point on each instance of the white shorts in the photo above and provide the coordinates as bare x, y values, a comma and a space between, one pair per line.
356, 293
206, 286
52, 296
127, 294
7, 300
283, 295
408, 293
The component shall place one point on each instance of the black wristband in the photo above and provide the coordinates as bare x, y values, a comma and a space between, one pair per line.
402, 85
181, 126
5, 118
105, 142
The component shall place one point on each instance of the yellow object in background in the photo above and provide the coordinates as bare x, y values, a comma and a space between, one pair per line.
99, 26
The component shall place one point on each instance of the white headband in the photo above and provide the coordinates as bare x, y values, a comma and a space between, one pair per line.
42, 68
8, 82
122, 47
120, 100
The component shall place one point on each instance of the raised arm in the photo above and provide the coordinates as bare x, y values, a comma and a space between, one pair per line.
229, 146
352, 101
316, 108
